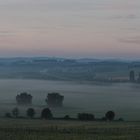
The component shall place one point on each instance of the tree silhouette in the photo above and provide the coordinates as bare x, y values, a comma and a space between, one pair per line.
15, 112
24, 98
110, 115
30, 112
54, 100
46, 114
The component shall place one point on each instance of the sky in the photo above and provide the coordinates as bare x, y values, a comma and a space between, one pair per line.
70, 28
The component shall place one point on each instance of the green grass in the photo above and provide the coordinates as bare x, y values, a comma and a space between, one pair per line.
11, 129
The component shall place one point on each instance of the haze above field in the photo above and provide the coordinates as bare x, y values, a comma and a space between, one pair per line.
70, 28
50, 68
88, 85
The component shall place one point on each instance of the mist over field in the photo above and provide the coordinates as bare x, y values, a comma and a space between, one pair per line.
88, 85
69, 69
92, 98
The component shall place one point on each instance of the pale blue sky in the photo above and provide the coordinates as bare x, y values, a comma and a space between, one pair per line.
70, 28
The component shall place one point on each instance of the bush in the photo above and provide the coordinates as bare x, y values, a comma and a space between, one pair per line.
67, 117
121, 119
86, 117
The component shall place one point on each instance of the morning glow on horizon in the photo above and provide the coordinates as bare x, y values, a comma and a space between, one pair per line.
70, 28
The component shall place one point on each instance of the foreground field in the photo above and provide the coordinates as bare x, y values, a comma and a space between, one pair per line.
11, 129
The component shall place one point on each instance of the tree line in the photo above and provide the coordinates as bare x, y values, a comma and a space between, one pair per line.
47, 114
53, 100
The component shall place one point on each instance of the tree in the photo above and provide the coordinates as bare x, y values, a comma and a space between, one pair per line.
24, 98
15, 112
46, 114
54, 100
110, 115
30, 112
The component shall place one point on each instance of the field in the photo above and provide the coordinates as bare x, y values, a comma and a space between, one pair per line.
11, 129
93, 98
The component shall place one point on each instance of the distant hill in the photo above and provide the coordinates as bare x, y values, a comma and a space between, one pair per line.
51, 68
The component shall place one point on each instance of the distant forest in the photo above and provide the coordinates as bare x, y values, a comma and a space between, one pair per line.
68, 69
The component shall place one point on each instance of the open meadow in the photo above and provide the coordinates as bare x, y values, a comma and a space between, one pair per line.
18, 129
95, 98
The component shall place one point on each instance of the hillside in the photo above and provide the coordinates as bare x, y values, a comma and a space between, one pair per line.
67, 69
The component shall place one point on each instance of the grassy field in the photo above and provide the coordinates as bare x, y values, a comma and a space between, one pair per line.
12, 129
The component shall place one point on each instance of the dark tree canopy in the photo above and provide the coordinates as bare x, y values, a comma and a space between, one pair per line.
54, 100
15, 112
110, 115
24, 98
86, 117
30, 112
46, 114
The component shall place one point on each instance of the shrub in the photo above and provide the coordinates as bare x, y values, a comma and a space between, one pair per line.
67, 117
86, 117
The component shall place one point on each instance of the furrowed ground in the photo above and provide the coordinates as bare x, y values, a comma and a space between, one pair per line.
18, 129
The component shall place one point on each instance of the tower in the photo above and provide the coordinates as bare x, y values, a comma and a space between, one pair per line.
132, 76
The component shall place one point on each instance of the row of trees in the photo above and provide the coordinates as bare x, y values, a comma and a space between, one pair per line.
53, 99
46, 113
110, 115
30, 112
